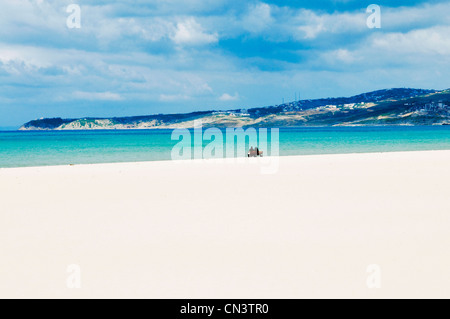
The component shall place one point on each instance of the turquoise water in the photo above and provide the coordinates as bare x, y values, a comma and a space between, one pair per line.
21, 149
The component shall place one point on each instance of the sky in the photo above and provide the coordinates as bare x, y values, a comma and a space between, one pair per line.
137, 57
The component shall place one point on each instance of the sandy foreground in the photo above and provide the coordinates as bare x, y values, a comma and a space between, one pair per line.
225, 230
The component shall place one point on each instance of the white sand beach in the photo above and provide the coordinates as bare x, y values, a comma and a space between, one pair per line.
224, 230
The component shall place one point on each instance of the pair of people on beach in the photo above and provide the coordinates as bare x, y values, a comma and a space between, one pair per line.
253, 150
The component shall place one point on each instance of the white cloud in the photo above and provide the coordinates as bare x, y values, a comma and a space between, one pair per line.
311, 25
173, 98
190, 32
258, 18
343, 56
227, 97
417, 51
423, 16
97, 96
434, 40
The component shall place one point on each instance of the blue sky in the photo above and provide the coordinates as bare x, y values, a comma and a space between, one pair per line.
166, 56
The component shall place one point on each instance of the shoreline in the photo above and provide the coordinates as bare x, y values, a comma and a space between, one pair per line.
224, 160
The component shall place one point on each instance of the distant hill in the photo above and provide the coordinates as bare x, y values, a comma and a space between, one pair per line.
384, 107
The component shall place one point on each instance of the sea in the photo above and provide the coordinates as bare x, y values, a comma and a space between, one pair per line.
48, 148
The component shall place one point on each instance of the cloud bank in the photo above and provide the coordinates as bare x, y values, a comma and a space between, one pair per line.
164, 56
